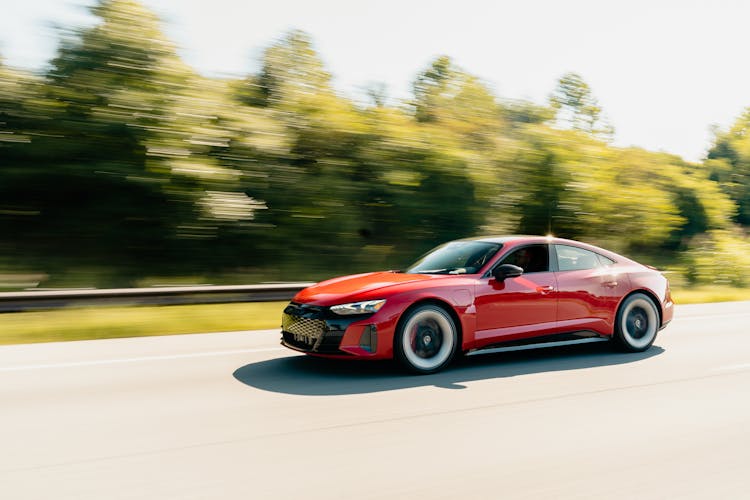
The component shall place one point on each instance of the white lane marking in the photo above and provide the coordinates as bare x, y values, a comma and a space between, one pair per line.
729, 368
135, 360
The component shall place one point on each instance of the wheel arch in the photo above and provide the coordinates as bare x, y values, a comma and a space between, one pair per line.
443, 305
648, 293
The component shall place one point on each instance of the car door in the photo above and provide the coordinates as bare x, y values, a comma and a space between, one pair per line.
519, 307
589, 289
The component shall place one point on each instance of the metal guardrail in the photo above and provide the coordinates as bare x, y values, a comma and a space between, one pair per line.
53, 299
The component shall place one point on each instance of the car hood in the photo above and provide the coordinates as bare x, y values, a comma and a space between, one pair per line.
356, 287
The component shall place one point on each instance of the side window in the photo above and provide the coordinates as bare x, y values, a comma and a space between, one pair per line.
574, 258
532, 258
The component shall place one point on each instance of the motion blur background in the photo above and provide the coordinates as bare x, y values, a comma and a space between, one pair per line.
122, 165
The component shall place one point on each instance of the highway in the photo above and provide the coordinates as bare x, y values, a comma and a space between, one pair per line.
235, 415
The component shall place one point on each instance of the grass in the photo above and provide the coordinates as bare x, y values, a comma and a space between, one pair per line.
140, 321
137, 321
702, 294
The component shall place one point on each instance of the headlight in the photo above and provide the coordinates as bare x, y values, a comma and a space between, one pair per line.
366, 307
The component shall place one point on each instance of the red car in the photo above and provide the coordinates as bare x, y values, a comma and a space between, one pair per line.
479, 295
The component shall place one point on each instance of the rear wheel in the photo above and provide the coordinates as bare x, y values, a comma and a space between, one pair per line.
637, 323
426, 339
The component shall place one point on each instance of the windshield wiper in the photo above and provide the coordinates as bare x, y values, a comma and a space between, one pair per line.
445, 270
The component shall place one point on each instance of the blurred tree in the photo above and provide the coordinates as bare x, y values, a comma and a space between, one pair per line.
520, 112
412, 195
291, 70
429, 86
378, 94
576, 107
308, 187
456, 102
123, 160
21, 109
728, 163
97, 196
719, 257
622, 198
18, 90
543, 208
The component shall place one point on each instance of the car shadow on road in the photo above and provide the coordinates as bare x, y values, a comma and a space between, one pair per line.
308, 376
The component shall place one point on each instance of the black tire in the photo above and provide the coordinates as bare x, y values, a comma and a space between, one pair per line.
636, 324
426, 339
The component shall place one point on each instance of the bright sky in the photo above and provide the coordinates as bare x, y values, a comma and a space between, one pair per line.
663, 70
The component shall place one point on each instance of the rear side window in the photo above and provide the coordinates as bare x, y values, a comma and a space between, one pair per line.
605, 261
575, 259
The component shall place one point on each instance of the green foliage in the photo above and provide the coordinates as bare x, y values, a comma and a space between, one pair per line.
122, 160
576, 107
729, 164
525, 112
136, 321
291, 71
85, 176
456, 101
719, 257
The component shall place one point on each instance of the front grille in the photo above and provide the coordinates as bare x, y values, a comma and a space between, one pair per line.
305, 331
305, 327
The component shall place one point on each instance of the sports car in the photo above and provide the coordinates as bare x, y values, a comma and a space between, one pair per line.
482, 295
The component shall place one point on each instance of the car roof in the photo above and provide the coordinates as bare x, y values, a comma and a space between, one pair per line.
525, 238
512, 238
522, 238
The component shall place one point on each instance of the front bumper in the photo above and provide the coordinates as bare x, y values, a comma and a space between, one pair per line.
316, 330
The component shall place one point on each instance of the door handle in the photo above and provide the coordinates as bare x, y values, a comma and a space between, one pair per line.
545, 289
610, 284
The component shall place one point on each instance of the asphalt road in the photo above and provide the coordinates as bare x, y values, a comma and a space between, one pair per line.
234, 415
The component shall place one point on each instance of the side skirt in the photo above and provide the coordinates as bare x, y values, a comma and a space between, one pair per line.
538, 343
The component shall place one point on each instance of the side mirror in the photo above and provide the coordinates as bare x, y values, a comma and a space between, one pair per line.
506, 271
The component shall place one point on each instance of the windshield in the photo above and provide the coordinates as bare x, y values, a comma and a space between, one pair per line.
456, 257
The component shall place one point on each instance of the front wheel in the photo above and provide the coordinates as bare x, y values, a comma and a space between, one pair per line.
637, 323
426, 339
